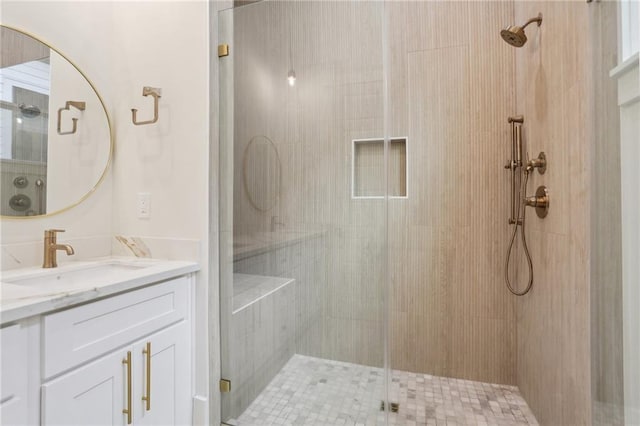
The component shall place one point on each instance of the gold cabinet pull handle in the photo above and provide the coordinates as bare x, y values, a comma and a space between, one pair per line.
147, 351
127, 410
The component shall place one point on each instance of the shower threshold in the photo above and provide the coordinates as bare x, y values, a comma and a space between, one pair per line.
320, 392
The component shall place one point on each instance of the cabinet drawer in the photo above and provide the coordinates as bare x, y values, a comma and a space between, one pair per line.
76, 335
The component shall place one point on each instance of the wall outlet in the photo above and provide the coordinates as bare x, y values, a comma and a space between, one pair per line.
144, 205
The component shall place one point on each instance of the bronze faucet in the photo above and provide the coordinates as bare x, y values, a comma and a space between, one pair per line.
51, 248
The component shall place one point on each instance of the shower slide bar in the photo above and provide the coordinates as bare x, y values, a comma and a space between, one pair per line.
520, 172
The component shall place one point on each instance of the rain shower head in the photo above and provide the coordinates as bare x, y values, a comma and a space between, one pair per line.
515, 36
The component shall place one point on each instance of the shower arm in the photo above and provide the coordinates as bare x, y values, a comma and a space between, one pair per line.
537, 19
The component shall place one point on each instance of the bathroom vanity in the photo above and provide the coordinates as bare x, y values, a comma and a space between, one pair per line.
100, 342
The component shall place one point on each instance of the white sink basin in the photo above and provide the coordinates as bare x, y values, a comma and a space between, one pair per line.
75, 274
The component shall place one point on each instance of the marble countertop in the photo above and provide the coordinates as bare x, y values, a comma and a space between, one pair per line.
23, 292
260, 242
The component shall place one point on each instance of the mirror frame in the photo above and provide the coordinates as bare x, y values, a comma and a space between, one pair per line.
109, 124
245, 180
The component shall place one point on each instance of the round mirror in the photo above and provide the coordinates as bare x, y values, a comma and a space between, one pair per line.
262, 173
55, 133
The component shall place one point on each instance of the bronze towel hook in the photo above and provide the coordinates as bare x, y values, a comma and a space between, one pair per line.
148, 91
76, 104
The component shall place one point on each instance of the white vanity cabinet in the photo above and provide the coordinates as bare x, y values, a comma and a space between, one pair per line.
97, 393
104, 360
85, 364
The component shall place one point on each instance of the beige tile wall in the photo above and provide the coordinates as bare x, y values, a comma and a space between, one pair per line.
452, 85
553, 92
368, 169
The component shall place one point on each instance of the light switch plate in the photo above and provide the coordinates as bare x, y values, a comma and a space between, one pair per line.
144, 205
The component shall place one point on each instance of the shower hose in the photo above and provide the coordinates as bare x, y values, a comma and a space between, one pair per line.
521, 197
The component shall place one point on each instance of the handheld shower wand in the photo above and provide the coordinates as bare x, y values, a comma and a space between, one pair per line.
520, 172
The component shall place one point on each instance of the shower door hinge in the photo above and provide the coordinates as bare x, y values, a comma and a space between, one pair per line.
223, 50
225, 385
394, 406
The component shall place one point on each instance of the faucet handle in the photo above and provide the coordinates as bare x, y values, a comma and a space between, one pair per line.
51, 233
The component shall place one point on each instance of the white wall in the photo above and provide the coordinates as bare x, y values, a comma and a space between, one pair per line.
629, 101
161, 44
627, 76
165, 45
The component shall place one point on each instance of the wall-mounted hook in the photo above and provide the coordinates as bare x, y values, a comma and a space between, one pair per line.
76, 104
148, 91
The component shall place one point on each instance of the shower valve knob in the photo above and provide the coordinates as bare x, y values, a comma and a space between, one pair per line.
539, 163
536, 201
540, 201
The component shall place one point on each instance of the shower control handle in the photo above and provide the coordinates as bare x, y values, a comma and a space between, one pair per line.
539, 163
536, 201
540, 201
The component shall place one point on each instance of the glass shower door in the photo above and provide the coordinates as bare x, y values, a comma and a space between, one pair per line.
303, 227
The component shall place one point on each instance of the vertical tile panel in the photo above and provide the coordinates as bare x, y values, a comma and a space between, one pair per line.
450, 307
553, 321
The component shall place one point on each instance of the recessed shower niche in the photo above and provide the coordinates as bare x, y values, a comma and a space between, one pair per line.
367, 168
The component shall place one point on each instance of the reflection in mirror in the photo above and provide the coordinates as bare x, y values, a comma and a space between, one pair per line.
51, 156
262, 173
24, 109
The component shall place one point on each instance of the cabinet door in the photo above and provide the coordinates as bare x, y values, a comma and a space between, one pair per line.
91, 395
14, 377
170, 372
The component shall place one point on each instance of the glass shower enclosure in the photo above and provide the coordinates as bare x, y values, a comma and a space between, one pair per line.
364, 213
303, 237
